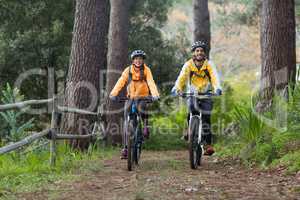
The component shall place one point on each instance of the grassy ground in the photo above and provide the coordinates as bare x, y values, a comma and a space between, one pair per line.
31, 172
166, 175
163, 174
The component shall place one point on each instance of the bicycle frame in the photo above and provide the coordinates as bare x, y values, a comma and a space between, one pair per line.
195, 152
134, 114
198, 96
200, 126
133, 137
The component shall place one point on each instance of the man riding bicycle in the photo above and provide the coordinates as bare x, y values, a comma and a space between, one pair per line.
199, 74
140, 83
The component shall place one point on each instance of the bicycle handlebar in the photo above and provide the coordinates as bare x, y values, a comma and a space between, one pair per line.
146, 99
198, 95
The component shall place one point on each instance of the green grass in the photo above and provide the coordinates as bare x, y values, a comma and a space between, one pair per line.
167, 130
290, 160
228, 147
263, 144
31, 172
276, 149
164, 141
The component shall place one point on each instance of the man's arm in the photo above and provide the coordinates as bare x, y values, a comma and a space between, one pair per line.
215, 80
182, 78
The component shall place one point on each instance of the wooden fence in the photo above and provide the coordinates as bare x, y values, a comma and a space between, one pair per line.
52, 133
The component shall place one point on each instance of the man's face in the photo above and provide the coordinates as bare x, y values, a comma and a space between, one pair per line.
138, 61
199, 54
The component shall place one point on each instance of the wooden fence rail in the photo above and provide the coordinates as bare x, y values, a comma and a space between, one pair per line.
23, 104
73, 137
24, 142
35, 148
51, 133
75, 110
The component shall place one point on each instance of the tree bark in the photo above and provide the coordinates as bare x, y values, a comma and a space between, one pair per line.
87, 58
201, 22
278, 51
117, 61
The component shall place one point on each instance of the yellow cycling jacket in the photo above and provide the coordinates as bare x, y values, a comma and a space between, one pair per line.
198, 80
136, 87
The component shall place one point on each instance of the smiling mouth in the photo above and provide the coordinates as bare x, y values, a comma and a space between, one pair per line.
200, 57
138, 65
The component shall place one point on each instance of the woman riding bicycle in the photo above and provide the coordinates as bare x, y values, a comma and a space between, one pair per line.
140, 83
199, 74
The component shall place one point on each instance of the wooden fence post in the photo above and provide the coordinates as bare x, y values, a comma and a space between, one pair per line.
54, 131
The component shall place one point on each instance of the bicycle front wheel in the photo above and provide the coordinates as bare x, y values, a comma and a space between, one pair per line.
195, 150
138, 142
131, 145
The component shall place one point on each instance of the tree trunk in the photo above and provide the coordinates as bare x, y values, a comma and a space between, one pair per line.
117, 61
201, 22
278, 40
105, 21
86, 60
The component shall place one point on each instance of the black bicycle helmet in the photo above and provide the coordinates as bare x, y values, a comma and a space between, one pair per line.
197, 44
137, 53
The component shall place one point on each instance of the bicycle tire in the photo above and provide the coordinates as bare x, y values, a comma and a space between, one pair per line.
138, 143
199, 155
130, 144
199, 147
195, 150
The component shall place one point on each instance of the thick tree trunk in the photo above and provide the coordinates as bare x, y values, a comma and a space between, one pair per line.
105, 21
201, 22
117, 61
86, 60
278, 39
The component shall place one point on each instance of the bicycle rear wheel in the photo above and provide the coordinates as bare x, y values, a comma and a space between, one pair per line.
195, 150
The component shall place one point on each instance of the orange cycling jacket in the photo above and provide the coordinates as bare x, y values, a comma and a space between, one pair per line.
137, 87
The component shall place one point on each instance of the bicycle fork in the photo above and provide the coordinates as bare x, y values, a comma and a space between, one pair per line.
199, 140
126, 127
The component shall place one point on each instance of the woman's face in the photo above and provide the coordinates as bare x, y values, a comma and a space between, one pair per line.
138, 61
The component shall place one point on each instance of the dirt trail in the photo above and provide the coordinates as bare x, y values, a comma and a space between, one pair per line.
166, 175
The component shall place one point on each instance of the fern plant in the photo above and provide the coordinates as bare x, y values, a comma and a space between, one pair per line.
16, 128
252, 127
